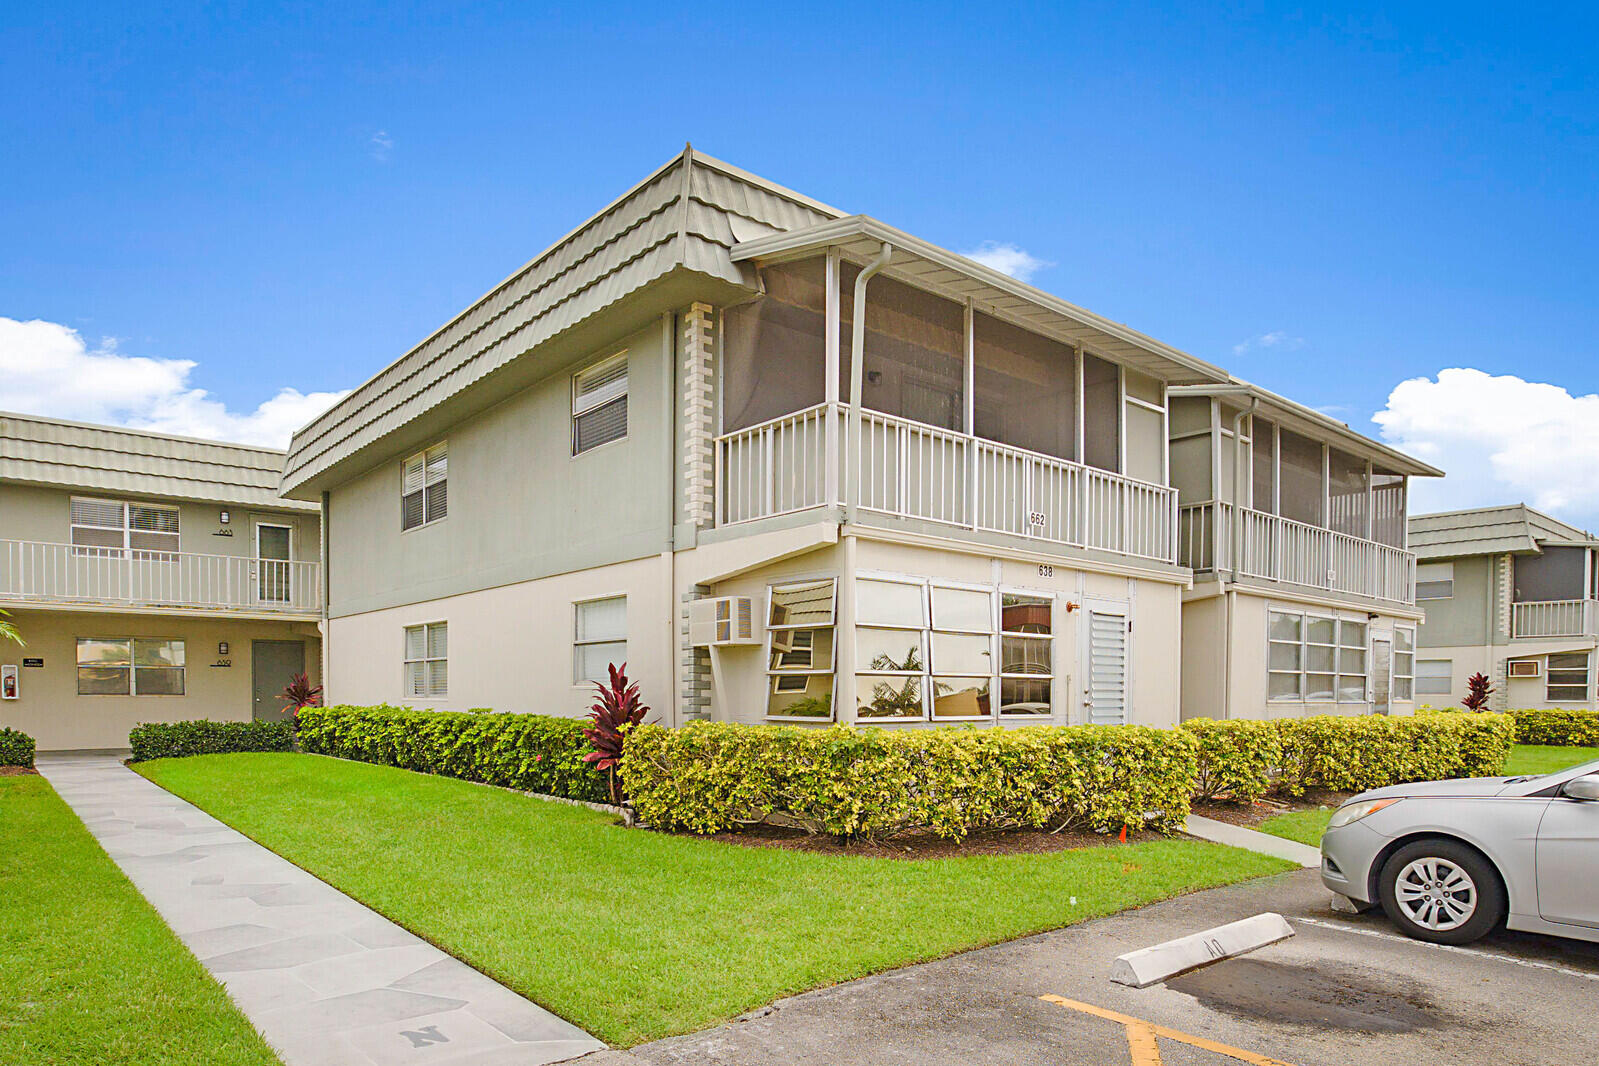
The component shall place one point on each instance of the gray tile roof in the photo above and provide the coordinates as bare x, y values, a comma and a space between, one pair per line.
1490, 531
77, 455
689, 213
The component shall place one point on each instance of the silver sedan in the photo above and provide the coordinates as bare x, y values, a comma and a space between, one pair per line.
1449, 861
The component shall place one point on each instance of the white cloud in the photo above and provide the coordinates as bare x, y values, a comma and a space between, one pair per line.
48, 369
379, 145
1007, 259
1501, 439
1277, 338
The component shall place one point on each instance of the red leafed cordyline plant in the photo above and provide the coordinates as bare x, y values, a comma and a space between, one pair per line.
611, 719
301, 693
1477, 690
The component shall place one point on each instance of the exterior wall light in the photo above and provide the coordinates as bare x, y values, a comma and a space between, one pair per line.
224, 517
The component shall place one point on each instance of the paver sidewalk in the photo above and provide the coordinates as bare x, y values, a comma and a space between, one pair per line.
326, 980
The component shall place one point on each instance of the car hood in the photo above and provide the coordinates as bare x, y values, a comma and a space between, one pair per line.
1468, 786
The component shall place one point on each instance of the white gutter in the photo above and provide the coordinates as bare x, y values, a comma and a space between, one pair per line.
857, 363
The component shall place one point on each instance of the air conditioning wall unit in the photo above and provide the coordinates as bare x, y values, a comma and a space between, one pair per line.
1524, 668
723, 621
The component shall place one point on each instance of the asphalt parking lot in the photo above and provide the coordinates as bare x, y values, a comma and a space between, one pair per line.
1344, 990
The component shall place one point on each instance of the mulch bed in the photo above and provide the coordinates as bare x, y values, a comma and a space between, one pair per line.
17, 771
1251, 815
925, 845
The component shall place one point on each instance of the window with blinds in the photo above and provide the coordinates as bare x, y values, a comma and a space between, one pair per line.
425, 491
599, 404
427, 668
599, 638
115, 528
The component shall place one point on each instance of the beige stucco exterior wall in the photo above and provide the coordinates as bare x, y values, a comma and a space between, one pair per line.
1206, 623
521, 505
41, 513
1468, 659
739, 693
51, 711
510, 647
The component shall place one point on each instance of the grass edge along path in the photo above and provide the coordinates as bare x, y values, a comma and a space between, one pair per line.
89, 972
636, 935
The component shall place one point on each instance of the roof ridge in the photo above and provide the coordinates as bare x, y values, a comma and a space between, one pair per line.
103, 427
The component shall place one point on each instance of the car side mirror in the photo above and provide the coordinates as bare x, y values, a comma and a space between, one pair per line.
1581, 788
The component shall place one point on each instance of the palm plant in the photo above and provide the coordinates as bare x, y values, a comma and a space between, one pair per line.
618, 710
8, 631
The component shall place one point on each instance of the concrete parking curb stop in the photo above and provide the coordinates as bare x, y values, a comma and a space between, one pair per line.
1150, 965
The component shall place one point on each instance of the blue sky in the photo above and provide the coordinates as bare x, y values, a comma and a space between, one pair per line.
1328, 202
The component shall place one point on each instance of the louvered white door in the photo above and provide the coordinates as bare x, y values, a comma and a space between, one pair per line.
1105, 673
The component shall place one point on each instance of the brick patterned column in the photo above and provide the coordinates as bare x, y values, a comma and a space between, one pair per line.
695, 696
698, 486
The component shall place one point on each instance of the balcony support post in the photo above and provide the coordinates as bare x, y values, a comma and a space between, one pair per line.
830, 385
969, 413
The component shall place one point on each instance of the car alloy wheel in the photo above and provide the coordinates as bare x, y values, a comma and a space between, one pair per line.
1436, 894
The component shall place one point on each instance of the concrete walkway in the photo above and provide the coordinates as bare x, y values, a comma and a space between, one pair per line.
1239, 837
325, 979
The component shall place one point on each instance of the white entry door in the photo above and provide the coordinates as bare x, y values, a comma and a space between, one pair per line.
1106, 640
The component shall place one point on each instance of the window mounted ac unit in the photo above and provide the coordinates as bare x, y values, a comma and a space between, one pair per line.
1524, 668
722, 621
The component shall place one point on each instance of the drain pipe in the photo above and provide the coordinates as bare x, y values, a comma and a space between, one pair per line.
857, 362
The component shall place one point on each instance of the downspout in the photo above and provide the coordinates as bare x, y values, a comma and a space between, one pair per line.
857, 362
1237, 537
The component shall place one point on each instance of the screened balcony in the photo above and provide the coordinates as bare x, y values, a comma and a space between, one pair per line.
968, 420
1555, 593
1274, 492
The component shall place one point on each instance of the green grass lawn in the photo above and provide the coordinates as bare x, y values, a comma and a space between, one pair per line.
1308, 826
89, 973
634, 934
1540, 759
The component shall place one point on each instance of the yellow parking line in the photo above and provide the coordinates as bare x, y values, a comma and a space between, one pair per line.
1141, 1036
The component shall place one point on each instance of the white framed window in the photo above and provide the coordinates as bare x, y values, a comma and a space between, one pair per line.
1404, 663
599, 404
890, 648
1435, 581
800, 632
1435, 677
122, 666
425, 489
1027, 653
961, 652
115, 528
599, 638
427, 660
1314, 658
1566, 680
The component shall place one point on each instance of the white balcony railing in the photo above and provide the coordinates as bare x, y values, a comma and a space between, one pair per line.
912, 470
1281, 549
1554, 618
38, 572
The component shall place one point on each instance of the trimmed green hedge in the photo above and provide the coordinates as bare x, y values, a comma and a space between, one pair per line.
1559, 727
16, 748
1246, 759
173, 740
710, 776
531, 752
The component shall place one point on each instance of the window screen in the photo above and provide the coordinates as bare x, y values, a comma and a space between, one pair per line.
424, 492
1263, 451
1026, 388
1300, 477
1434, 677
142, 666
1346, 488
112, 527
1567, 678
1101, 411
600, 638
1435, 581
915, 351
427, 652
599, 404
774, 348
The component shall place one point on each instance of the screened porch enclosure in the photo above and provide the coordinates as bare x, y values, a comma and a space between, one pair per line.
1264, 501
967, 419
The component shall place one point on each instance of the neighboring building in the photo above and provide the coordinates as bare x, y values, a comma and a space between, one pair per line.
637, 448
155, 578
1304, 591
1510, 593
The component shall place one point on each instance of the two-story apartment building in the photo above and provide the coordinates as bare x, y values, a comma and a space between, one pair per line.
1304, 595
653, 443
154, 578
1510, 593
